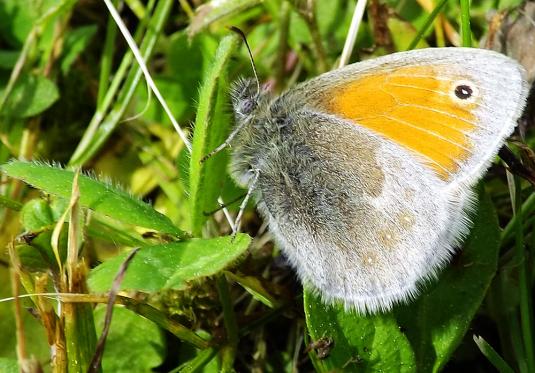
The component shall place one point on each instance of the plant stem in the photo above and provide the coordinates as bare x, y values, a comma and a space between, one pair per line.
199, 361
107, 117
106, 60
10, 203
523, 282
162, 320
466, 34
228, 351
428, 22
527, 207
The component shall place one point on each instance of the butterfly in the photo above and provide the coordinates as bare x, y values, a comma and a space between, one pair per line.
365, 174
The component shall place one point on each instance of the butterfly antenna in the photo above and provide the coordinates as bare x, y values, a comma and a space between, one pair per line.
244, 38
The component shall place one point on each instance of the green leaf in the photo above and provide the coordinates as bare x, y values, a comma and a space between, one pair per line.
172, 265
36, 214
98, 196
18, 17
8, 365
75, 42
254, 287
34, 332
38, 217
436, 323
359, 343
211, 128
31, 95
103, 228
134, 344
334, 19
8, 59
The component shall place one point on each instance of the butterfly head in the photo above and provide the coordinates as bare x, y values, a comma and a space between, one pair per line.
247, 98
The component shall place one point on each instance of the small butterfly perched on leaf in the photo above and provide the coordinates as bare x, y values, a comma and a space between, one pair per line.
366, 173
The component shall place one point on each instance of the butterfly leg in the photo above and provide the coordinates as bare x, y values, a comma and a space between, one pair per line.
252, 186
226, 143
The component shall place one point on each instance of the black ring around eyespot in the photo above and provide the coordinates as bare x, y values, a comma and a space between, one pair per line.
463, 91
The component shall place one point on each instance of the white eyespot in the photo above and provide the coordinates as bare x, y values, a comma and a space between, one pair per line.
464, 91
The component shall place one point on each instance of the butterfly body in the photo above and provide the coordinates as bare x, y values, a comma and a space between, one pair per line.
365, 173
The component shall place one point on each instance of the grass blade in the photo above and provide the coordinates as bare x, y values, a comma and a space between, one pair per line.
428, 22
466, 33
491, 354
211, 128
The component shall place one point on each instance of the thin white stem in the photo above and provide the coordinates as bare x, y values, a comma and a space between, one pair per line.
352, 33
135, 50
143, 66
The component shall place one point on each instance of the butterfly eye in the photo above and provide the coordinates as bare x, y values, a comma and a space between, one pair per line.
248, 106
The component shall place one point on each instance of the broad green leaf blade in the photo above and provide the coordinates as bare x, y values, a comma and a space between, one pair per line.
75, 42
31, 95
94, 194
211, 128
18, 17
8, 365
34, 332
436, 323
8, 59
171, 266
36, 214
359, 343
134, 344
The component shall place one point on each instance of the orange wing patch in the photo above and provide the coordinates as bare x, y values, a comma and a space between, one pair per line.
415, 107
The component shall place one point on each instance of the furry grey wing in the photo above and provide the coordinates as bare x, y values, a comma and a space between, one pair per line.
357, 219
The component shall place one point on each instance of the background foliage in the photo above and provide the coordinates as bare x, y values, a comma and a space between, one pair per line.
193, 298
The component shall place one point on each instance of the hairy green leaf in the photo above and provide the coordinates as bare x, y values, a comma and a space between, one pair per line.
172, 265
344, 341
211, 128
134, 344
96, 195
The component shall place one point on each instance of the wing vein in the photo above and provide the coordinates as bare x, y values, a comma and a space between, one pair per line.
430, 133
475, 124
